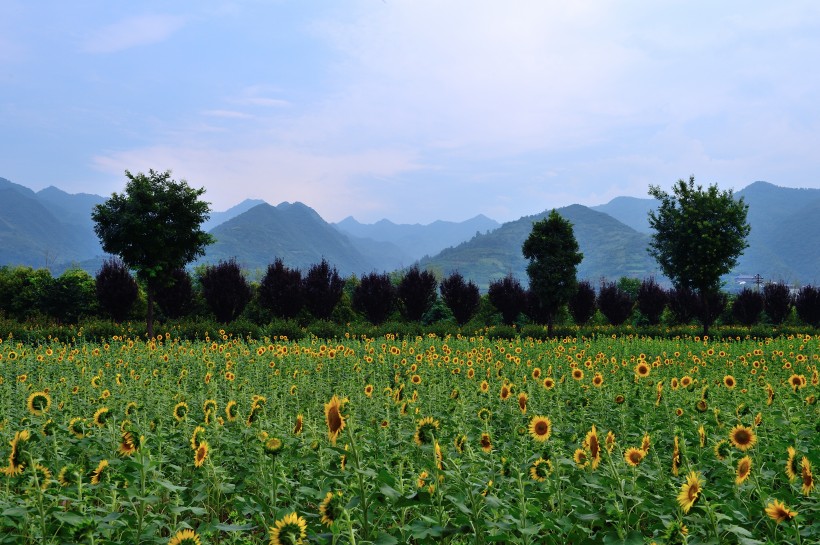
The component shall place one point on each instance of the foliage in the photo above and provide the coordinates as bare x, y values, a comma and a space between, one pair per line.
281, 291
176, 299
507, 295
23, 291
225, 290
375, 297
698, 236
683, 304
777, 302
416, 293
116, 289
462, 298
614, 303
651, 300
630, 286
70, 296
747, 306
553, 257
807, 304
154, 227
322, 289
582, 303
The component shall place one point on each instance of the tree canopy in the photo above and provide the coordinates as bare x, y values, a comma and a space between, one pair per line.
554, 256
154, 227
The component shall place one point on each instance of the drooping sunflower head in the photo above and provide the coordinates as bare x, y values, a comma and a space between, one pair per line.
209, 407
742, 438
779, 512
744, 469
690, 490
289, 530
540, 428
485, 442
792, 469
806, 476
231, 411
540, 469
197, 436
180, 411
38, 403
201, 454
721, 449
331, 508
273, 446
426, 430
101, 416
298, 424
459, 442
77, 427
69, 475
484, 414
99, 471
645, 443
334, 418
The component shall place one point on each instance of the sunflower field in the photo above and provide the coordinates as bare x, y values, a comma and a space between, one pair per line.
430, 439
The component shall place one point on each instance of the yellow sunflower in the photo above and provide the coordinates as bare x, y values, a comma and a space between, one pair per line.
289, 530
744, 469
791, 464
101, 416
298, 424
806, 476
231, 411
180, 411
634, 456
540, 469
522, 402
485, 442
730, 382
38, 403
185, 537
742, 438
593, 446
334, 418
426, 430
331, 508
540, 428
690, 490
98, 472
201, 454
778, 512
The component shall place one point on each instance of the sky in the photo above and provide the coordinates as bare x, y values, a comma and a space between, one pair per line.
410, 110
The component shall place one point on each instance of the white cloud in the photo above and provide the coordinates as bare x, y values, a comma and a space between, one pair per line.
133, 32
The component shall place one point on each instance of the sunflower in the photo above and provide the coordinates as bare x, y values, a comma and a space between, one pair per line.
540, 428
522, 402
334, 418
69, 475
484, 386
75, 426
609, 441
549, 383
645, 443
459, 442
484, 414
598, 380
505, 393
98, 472
368, 391
619, 399
642, 369
201, 454
744, 469
540, 469
298, 424
592, 445
742, 438
634, 456
42, 475
702, 436
38, 403
690, 490
16, 462
289, 530
209, 407
185, 537
48, 428
485, 442
130, 408
577, 374
778, 511
129, 443
231, 411
180, 411
536, 373
675, 456
425, 431
730, 382
791, 464
101, 416
196, 437
721, 449
581, 457
331, 508
685, 381
421, 480
807, 477
273, 446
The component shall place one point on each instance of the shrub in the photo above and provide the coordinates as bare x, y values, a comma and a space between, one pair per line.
614, 303
683, 304
70, 296
709, 306
176, 299
416, 293
225, 290
280, 291
116, 289
322, 289
651, 300
508, 297
461, 297
807, 304
375, 297
747, 307
582, 303
777, 301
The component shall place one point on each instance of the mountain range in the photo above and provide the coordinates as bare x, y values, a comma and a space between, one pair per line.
51, 228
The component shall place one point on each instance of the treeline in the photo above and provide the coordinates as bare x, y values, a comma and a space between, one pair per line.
292, 303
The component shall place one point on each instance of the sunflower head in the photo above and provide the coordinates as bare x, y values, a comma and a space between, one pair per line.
540, 428
634, 456
185, 537
742, 438
289, 530
779, 512
690, 491
426, 430
38, 403
334, 418
792, 468
744, 469
540, 469
485, 442
201, 454
273, 446
331, 508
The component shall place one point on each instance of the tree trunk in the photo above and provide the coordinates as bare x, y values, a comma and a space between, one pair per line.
150, 317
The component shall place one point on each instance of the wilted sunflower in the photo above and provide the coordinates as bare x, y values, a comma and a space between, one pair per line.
38, 403
791, 464
201, 454
185, 537
98, 472
540, 469
742, 438
540, 428
806, 475
522, 402
690, 490
634, 456
744, 469
485, 442
425, 431
180, 411
334, 418
298, 424
778, 512
331, 508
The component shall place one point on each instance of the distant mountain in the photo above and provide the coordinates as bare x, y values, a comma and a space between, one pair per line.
630, 211
221, 217
611, 250
418, 240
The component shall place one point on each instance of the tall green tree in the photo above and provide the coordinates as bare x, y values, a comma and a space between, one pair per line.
554, 256
154, 226
699, 235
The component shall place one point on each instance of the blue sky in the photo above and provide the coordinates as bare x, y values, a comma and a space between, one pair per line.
410, 110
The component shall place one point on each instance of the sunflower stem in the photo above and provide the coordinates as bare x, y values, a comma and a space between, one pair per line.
360, 479
797, 531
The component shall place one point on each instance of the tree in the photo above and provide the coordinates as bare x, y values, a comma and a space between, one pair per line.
651, 300
116, 289
553, 253
807, 305
281, 290
375, 297
154, 226
225, 290
699, 235
615, 303
747, 307
416, 293
462, 298
70, 295
777, 302
683, 304
582, 303
176, 298
322, 288
508, 297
